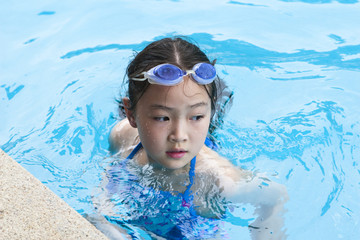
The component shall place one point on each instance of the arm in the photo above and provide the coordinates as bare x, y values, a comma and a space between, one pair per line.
268, 198
110, 230
241, 186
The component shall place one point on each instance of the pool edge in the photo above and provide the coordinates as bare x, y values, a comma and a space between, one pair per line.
30, 210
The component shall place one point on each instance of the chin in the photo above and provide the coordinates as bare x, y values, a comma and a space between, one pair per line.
177, 167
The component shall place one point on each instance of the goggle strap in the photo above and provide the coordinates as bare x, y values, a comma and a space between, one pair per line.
142, 79
139, 79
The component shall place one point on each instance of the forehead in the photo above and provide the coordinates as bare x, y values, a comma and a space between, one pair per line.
186, 93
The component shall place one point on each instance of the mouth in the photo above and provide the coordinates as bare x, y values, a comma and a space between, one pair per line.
176, 153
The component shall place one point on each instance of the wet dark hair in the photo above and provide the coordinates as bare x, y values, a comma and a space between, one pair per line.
181, 53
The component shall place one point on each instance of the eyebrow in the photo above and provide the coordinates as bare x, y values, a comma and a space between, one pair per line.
159, 106
199, 104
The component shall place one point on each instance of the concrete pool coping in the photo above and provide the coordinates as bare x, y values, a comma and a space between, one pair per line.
30, 210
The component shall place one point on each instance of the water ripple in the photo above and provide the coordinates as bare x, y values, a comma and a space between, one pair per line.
322, 1
10, 92
319, 138
246, 4
46, 13
249, 55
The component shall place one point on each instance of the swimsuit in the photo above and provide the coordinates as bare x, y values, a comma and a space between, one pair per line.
165, 214
187, 197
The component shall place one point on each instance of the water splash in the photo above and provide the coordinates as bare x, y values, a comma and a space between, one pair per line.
316, 149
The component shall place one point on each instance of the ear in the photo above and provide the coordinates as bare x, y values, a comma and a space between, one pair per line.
129, 113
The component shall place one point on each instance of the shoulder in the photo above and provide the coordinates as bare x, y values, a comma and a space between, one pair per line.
238, 184
210, 161
122, 137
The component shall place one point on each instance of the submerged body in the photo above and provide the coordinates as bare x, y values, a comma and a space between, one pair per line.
168, 162
172, 97
164, 204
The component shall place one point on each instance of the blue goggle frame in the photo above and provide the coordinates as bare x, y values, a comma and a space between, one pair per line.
170, 75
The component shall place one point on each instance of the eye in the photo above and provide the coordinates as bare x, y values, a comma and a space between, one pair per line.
197, 117
161, 119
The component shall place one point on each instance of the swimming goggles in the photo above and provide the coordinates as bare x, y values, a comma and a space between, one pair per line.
170, 75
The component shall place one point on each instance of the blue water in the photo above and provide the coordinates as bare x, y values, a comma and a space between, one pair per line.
294, 67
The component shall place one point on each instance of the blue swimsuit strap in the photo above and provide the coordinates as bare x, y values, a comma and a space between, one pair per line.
134, 151
186, 196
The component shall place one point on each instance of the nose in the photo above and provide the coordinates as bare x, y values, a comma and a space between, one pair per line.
178, 132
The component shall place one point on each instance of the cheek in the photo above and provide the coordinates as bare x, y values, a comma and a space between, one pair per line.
151, 133
146, 129
200, 131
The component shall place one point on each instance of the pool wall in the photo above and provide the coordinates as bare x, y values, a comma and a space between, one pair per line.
29, 210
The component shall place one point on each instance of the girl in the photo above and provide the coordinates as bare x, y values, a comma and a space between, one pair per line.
180, 186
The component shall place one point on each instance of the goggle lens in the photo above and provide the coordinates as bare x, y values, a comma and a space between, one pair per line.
168, 72
205, 71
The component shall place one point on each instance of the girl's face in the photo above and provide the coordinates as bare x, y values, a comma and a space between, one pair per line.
173, 122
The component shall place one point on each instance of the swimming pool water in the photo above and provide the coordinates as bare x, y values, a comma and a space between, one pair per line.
293, 65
